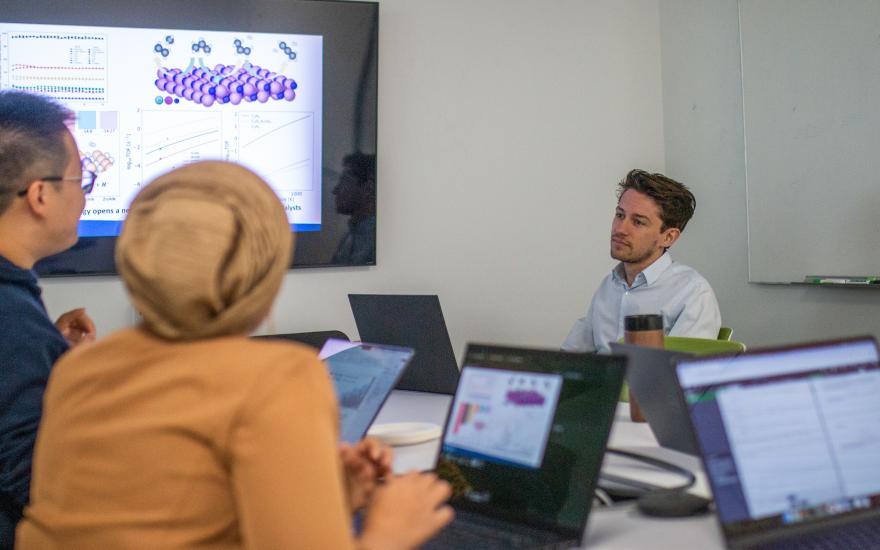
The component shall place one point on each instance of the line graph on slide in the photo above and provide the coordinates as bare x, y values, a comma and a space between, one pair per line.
257, 137
175, 138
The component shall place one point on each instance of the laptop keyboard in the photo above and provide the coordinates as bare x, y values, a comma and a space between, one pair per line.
852, 536
477, 532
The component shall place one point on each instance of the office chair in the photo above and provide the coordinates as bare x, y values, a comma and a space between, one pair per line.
696, 346
314, 339
702, 346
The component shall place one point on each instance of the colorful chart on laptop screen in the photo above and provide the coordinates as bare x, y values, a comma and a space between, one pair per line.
503, 415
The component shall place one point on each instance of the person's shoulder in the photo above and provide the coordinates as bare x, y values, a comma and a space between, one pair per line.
685, 275
23, 320
269, 347
263, 370
227, 357
264, 357
609, 277
123, 342
17, 300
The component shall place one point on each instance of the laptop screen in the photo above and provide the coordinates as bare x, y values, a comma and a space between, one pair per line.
363, 375
526, 433
790, 436
414, 321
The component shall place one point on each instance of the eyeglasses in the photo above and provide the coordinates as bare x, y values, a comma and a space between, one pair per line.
87, 181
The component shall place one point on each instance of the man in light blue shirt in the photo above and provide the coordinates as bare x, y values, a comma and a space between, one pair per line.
652, 211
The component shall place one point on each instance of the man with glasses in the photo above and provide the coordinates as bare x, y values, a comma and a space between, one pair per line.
42, 195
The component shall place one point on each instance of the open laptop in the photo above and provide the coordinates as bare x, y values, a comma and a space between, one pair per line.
363, 375
414, 321
650, 373
790, 441
523, 444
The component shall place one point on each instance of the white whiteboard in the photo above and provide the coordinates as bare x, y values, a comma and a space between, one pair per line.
811, 104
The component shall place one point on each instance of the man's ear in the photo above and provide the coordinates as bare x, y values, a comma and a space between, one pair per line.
36, 197
669, 237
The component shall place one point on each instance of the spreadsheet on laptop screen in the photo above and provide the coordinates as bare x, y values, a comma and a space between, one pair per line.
790, 435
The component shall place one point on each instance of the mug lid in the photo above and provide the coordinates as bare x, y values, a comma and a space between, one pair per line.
651, 321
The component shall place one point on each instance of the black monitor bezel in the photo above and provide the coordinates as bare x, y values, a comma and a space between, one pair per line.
95, 255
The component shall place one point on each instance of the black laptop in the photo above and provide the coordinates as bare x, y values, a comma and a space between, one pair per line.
413, 321
650, 373
523, 444
790, 441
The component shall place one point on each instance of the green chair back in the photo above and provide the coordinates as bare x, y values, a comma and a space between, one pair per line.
725, 333
697, 346
702, 346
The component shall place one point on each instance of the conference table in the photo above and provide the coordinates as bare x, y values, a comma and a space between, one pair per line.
620, 526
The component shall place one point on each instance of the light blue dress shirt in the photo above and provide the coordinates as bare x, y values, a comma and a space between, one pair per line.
675, 291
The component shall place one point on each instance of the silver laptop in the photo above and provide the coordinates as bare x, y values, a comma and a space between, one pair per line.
790, 442
363, 375
522, 446
650, 373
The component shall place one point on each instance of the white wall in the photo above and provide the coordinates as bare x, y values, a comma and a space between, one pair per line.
703, 123
503, 127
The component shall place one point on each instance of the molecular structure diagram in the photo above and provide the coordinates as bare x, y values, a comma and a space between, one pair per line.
226, 84
161, 49
97, 161
201, 45
245, 50
287, 50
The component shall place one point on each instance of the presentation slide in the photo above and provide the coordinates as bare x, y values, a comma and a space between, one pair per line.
503, 414
148, 101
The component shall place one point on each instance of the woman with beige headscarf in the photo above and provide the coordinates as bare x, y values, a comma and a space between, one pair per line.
182, 432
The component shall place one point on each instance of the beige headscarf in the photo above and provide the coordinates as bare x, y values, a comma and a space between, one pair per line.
203, 251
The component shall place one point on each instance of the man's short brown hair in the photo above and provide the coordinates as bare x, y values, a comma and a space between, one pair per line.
675, 200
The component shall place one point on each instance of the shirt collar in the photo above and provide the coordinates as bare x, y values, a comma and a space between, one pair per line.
649, 275
653, 271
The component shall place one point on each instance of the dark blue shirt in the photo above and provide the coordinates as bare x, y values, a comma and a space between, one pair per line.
29, 346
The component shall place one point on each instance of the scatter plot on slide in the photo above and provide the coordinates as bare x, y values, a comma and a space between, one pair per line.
174, 139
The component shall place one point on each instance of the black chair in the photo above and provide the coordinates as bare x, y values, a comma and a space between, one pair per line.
315, 339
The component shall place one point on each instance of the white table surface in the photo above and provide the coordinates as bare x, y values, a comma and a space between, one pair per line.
619, 527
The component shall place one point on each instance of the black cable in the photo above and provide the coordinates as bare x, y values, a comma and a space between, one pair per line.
657, 463
631, 483
662, 501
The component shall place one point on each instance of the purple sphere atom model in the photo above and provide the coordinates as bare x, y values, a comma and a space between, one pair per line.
226, 84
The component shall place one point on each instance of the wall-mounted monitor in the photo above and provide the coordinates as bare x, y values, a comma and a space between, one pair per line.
286, 88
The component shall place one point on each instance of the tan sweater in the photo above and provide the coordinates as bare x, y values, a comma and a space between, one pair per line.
225, 443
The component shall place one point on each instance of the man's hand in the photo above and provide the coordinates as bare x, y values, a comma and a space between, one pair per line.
76, 327
365, 463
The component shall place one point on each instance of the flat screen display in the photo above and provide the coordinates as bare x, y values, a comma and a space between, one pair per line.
287, 89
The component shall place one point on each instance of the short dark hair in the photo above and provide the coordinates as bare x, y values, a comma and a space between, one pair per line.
676, 202
31, 141
361, 166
